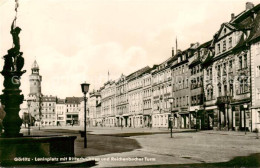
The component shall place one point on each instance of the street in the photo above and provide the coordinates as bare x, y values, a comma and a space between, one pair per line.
113, 147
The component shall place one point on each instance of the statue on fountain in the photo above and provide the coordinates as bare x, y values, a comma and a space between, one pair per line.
12, 72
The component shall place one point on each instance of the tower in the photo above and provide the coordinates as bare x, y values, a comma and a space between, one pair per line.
35, 92
35, 81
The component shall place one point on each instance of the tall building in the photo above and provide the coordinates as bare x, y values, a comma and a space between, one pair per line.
108, 103
48, 106
147, 97
35, 93
196, 89
73, 110
162, 90
181, 90
121, 101
135, 97
230, 68
94, 100
60, 110
255, 71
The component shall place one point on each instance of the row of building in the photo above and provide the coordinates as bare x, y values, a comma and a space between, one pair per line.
212, 85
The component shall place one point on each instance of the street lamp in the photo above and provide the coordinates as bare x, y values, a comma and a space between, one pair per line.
245, 107
29, 120
196, 111
171, 118
85, 88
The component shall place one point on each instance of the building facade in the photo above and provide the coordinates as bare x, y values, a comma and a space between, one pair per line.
108, 103
121, 102
48, 106
60, 110
73, 110
94, 100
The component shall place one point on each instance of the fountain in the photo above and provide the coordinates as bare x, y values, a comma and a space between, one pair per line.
13, 144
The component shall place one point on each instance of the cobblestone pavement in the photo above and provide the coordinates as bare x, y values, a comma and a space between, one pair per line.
185, 147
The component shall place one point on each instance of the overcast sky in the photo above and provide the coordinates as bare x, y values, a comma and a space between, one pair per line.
81, 40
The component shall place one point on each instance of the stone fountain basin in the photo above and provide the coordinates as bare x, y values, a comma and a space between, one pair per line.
36, 149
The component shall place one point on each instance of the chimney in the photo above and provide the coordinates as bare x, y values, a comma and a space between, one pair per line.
249, 5
172, 51
191, 44
232, 16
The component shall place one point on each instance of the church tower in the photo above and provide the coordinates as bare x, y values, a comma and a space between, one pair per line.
35, 81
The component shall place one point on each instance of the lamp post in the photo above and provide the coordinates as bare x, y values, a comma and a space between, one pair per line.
29, 118
196, 111
245, 107
40, 112
171, 118
85, 88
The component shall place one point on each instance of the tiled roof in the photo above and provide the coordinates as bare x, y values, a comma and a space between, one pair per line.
255, 32
138, 73
46, 98
61, 101
73, 100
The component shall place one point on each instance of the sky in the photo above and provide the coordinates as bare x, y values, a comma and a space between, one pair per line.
75, 41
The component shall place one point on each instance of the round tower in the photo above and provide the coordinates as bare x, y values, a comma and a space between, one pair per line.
35, 80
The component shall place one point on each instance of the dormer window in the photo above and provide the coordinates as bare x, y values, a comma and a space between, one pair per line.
230, 42
225, 31
224, 45
218, 48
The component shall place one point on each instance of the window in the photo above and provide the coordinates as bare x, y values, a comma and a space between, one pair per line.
230, 42
240, 63
208, 94
258, 71
245, 61
230, 65
258, 94
243, 86
231, 89
224, 69
224, 45
258, 116
218, 48
219, 71
225, 90
219, 90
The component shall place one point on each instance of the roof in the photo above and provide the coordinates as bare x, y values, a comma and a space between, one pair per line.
35, 65
138, 73
205, 45
255, 32
73, 100
50, 98
60, 101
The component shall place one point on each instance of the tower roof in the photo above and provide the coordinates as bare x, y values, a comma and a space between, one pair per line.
35, 65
